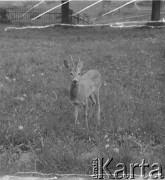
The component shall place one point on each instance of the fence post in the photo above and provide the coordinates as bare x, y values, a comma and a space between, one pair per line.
65, 12
156, 4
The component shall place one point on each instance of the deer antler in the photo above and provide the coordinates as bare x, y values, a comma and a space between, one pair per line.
79, 62
72, 61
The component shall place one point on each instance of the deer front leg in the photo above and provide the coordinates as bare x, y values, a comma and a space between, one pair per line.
86, 112
76, 109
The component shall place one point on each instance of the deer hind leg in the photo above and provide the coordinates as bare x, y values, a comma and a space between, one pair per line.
86, 112
98, 106
93, 99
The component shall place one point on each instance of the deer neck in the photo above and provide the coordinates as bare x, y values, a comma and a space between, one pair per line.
74, 91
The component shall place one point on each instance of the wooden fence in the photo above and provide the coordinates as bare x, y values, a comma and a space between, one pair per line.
16, 16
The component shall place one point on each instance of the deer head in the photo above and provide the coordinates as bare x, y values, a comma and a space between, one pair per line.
75, 70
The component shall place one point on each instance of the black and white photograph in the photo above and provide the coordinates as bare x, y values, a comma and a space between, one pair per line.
82, 89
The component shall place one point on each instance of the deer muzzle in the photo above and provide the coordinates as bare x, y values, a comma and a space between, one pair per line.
75, 81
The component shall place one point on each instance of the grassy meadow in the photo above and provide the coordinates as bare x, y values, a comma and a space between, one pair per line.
37, 131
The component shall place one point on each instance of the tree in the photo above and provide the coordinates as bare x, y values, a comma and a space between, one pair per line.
156, 5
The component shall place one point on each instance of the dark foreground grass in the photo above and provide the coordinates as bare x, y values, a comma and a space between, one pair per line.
37, 131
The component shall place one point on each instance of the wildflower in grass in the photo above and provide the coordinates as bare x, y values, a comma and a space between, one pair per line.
1, 85
105, 136
21, 98
116, 150
20, 127
7, 78
107, 146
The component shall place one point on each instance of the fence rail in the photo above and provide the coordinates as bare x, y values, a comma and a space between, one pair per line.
80, 20
16, 16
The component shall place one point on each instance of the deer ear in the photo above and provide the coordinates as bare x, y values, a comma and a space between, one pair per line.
66, 64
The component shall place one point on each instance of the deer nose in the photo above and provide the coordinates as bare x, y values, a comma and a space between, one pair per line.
75, 81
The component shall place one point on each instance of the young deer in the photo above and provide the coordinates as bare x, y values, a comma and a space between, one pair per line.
84, 87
